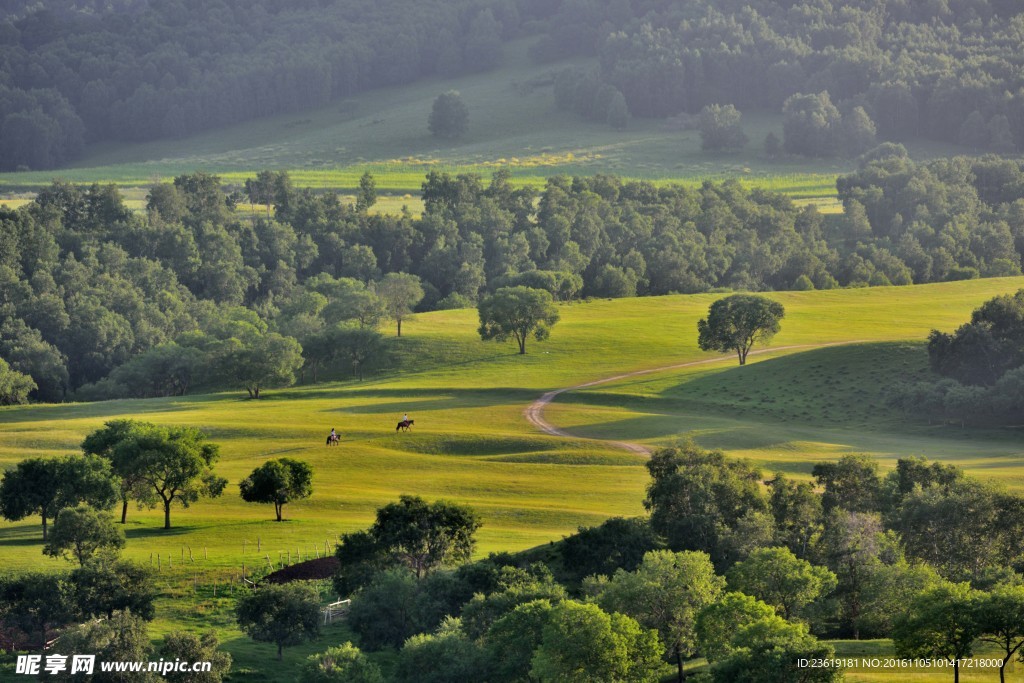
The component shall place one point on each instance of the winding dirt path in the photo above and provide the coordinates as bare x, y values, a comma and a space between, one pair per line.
534, 412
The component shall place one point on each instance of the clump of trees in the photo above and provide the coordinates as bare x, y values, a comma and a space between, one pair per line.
720, 128
981, 365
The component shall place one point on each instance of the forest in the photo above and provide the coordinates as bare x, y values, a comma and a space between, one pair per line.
81, 72
86, 285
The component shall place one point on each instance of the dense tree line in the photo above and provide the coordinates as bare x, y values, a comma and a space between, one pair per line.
744, 570
81, 72
97, 301
950, 70
979, 368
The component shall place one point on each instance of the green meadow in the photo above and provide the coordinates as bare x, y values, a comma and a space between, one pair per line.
817, 398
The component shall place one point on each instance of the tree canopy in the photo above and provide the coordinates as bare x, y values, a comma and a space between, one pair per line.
737, 322
517, 313
278, 481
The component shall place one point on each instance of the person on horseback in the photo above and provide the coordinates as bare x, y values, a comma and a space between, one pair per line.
405, 417
334, 434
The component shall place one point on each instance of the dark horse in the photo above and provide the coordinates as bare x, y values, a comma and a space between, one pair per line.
405, 424
333, 439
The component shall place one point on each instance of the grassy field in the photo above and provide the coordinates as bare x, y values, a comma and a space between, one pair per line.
471, 443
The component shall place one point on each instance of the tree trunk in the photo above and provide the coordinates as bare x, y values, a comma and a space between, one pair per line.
399, 327
124, 510
279, 648
956, 670
256, 393
679, 664
44, 525
277, 509
167, 514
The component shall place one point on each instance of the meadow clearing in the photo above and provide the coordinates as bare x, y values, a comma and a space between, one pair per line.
471, 443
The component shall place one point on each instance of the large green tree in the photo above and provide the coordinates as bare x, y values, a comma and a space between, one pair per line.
582, 643
941, 623
737, 322
666, 592
278, 481
82, 532
341, 664
518, 313
172, 464
720, 128
104, 442
399, 293
781, 580
282, 614
999, 616
190, 647
44, 486
14, 386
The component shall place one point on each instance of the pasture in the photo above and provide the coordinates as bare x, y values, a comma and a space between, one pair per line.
471, 443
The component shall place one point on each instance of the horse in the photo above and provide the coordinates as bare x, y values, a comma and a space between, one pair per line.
405, 424
333, 439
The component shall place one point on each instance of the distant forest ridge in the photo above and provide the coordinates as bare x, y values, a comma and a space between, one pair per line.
76, 72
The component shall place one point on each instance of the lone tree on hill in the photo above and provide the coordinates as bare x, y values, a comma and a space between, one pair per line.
278, 481
737, 322
399, 293
517, 312
285, 615
450, 116
720, 128
45, 485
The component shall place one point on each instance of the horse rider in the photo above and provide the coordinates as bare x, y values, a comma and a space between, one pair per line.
405, 417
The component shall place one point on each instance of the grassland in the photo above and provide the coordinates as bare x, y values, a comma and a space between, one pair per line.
472, 444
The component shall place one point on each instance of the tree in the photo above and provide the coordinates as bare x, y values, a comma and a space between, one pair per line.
278, 481
14, 386
447, 656
35, 603
781, 580
858, 132
666, 593
811, 125
81, 532
999, 616
367, 195
266, 360
104, 443
512, 639
852, 483
449, 117
695, 496
283, 614
517, 312
769, 651
851, 544
121, 638
737, 322
719, 622
175, 464
399, 292
941, 623
796, 508
617, 543
424, 536
341, 664
99, 589
582, 643
358, 345
720, 128
618, 111
45, 486
189, 647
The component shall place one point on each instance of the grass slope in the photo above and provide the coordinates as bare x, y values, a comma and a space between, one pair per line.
472, 444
